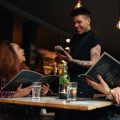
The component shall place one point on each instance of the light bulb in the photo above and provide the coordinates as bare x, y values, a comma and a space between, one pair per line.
78, 5
67, 40
67, 48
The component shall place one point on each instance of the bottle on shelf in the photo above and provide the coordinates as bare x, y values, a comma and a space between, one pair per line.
64, 80
55, 68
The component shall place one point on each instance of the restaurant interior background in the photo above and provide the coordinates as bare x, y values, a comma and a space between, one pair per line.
39, 25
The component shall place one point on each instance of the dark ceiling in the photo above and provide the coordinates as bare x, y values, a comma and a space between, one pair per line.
105, 14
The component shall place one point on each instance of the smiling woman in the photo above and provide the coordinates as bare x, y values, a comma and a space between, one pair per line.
11, 62
19, 51
12, 59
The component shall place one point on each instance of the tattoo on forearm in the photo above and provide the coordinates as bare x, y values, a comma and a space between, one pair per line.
81, 62
94, 57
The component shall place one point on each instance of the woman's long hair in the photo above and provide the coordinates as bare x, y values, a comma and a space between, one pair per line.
8, 61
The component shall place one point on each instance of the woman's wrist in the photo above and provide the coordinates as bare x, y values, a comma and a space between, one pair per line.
109, 95
14, 95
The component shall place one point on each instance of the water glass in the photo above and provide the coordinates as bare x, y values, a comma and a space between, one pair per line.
36, 87
72, 91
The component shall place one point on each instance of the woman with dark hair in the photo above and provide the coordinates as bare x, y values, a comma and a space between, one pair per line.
12, 59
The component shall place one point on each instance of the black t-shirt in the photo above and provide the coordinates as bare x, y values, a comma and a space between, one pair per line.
80, 49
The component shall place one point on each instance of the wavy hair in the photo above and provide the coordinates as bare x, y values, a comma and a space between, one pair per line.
8, 61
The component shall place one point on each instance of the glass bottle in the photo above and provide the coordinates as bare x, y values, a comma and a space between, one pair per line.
64, 80
55, 69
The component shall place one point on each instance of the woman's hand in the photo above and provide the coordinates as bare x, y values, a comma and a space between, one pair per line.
22, 92
101, 87
116, 94
65, 56
44, 89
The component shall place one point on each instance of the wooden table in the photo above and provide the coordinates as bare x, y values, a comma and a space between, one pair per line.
54, 102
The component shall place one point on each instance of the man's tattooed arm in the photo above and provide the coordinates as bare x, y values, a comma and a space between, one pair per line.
94, 57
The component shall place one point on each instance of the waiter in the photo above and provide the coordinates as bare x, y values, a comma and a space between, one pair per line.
85, 50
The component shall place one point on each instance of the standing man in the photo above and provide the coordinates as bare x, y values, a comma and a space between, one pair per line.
85, 50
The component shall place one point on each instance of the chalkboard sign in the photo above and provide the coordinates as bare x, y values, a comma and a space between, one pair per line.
108, 67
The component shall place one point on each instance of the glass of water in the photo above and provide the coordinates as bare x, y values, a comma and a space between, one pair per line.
72, 91
36, 87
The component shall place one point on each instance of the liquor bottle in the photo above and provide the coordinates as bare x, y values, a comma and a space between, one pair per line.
64, 80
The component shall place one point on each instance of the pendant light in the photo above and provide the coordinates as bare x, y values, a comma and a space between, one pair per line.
78, 5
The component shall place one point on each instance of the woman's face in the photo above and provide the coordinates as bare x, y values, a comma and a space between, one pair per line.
19, 51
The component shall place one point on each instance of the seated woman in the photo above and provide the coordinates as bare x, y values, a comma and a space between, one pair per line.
12, 59
104, 88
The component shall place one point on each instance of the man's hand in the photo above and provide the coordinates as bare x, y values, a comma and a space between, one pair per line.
63, 54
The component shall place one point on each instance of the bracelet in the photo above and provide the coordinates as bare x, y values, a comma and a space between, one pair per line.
110, 96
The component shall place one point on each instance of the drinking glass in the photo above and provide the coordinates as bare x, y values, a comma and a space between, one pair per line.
36, 87
72, 91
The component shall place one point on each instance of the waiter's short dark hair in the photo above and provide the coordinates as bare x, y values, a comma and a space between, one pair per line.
80, 11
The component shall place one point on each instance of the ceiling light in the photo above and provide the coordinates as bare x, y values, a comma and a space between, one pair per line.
78, 5
118, 24
68, 40
67, 48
